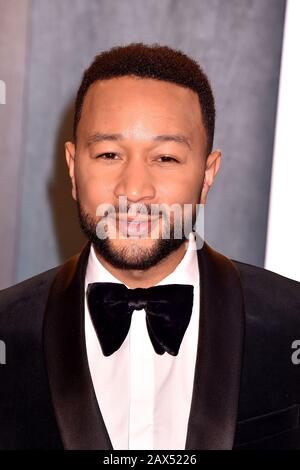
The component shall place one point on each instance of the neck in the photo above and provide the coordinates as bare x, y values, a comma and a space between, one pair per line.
146, 278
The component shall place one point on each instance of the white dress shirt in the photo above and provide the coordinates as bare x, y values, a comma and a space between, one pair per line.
144, 397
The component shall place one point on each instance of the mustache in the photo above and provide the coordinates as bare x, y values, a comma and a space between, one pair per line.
135, 209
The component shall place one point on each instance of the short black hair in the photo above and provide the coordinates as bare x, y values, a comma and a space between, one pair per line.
151, 61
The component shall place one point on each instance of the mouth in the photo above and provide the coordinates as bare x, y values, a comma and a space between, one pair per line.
136, 227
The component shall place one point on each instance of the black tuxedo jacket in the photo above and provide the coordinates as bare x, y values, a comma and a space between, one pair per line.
246, 391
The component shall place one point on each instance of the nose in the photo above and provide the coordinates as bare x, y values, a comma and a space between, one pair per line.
136, 181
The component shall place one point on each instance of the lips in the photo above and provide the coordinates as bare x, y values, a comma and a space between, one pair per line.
134, 227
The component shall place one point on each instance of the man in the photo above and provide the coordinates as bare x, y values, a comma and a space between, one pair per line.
147, 339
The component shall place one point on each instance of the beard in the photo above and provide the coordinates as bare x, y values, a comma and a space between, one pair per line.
132, 256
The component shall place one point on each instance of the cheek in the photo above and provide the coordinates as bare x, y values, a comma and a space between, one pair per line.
93, 188
183, 189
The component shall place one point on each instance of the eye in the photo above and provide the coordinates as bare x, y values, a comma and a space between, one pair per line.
167, 159
107, 155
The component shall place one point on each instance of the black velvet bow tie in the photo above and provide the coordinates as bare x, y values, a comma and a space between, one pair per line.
168, 312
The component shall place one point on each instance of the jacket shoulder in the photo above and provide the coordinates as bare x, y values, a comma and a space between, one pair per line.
270, 378
26, 414
261, 285
26, 295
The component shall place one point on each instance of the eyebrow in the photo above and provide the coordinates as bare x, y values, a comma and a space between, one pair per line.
178, 138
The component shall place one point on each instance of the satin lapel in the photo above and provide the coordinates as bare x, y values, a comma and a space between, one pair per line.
78, 416
215, 397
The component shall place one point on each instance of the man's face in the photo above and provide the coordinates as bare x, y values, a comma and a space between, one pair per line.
143, 139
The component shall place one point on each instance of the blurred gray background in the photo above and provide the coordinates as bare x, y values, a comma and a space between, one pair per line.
44, 47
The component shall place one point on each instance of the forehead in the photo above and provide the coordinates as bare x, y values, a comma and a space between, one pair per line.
125, 103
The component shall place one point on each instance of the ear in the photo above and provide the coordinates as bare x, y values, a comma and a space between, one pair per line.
70, 158
213, 163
